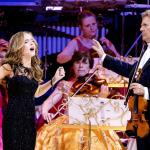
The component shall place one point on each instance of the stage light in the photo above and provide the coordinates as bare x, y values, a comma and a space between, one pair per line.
54, 8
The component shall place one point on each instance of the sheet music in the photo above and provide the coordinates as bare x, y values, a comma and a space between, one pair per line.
99, 111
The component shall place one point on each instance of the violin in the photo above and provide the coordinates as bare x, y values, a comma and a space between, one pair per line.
137, 125
92, 87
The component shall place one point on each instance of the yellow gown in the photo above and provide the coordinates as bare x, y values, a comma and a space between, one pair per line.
58, 135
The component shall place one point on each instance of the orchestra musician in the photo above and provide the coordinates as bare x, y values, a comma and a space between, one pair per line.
88, 25
81, 65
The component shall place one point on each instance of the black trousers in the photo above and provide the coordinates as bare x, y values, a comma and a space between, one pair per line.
144, 143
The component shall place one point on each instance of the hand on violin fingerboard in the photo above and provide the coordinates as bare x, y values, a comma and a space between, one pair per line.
137, 88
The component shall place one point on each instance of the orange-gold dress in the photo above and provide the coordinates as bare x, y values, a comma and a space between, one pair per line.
59, 135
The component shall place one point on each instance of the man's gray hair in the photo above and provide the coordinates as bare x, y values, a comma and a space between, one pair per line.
146, 13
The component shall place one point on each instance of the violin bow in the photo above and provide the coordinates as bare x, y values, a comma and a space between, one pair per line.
87, 80
75, 93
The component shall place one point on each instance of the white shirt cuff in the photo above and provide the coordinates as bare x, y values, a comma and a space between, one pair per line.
146, 94
102, 59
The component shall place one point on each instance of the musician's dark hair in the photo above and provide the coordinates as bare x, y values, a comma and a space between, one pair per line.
82, 56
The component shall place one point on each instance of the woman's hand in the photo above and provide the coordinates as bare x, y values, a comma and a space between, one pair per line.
60, 73
45, 108
98, 48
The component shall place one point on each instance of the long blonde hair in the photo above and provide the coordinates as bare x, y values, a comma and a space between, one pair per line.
14, 55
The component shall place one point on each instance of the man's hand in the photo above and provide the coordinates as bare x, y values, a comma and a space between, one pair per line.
109, 45
137, 88
98, 48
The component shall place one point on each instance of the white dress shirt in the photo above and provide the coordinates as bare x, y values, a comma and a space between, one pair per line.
145, 57
143, 61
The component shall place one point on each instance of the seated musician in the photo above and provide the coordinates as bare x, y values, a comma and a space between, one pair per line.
81, 65
50, 136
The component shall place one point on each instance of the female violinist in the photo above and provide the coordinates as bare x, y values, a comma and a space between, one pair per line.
81, 65
55, 137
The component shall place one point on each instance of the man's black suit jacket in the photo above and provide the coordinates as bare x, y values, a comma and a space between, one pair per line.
127, 70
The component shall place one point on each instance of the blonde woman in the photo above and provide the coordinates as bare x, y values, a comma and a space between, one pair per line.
21, 69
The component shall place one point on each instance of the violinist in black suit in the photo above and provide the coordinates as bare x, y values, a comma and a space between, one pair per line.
142, 88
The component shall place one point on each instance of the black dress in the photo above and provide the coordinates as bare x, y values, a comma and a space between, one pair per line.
19, 132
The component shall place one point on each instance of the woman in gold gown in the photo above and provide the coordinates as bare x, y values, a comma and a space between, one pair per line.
58, 134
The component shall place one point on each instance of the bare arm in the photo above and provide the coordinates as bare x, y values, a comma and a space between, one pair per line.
43, 88
53, 99
5, 70
67, 53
